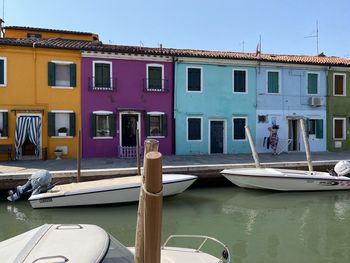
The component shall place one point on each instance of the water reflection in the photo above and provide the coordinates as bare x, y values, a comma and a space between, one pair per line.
258, 226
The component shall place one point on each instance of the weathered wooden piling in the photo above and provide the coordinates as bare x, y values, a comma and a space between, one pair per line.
306, 143
150, 145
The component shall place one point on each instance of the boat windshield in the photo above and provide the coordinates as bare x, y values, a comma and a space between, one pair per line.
117, 253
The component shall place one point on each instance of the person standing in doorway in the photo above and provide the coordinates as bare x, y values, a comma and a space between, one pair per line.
273, 138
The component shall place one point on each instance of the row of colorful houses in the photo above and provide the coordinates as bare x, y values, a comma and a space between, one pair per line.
54, 83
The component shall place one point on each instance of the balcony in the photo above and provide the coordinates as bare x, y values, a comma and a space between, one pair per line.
110, 85
155, 85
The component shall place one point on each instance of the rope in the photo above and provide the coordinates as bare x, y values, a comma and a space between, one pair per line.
160, 193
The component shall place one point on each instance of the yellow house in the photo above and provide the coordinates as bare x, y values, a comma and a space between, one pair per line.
40, 92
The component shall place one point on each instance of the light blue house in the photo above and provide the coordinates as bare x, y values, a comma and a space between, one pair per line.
287, 93
215, 98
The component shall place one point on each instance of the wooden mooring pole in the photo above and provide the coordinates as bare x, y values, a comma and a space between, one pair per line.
78, 156
150, 145
252, 147
153, 189
307, 145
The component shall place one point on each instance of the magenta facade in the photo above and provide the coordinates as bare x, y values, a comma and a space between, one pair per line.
130, 100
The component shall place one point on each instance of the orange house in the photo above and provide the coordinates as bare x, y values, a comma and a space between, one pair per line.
40, 92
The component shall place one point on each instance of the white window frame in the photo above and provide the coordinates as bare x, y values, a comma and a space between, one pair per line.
279, 81
110, 74
194, 91
187, 126
344, 129
344, 84
57, 62
160, 114
233, 81
162, 80
307, 83
233, 128
5, 72
102, 112
62, 111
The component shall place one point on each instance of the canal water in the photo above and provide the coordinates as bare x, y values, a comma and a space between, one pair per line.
257, 226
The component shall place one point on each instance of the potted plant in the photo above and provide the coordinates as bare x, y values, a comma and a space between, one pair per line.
58, 153
62, 131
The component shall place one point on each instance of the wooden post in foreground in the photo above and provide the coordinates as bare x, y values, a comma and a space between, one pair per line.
153, 207
78, 156
252, 147
150, 145
307, 146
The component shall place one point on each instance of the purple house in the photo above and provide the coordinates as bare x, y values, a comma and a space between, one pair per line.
120, 93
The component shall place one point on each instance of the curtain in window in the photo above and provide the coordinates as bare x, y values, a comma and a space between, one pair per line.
27, 126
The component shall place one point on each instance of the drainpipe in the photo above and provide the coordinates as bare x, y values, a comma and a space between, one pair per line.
35, 81
173, 108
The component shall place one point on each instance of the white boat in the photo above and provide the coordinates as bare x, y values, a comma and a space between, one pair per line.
91, 244
286, 180
107, 191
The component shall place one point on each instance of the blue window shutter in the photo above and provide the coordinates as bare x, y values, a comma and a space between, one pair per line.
73, 75
93, 125
2, 71
5, 129
51, 74
72, 124
319, 129
51, 124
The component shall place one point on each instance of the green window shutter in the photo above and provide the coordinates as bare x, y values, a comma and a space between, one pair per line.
5, 128
312, 81
51, 124
98, 75
2, 71
273, 82
52, 74
73, 75
106, 75
72, 124
319, 129
111, 120
164, 125
93, 125
147, 125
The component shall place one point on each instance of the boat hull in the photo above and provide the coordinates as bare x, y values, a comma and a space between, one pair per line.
173, 184
285, 180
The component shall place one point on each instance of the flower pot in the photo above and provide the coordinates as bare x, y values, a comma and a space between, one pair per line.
62, 134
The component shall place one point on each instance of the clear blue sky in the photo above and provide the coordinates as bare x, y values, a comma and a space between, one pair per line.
197, 24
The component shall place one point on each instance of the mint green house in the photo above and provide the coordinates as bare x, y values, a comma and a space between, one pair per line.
338, 109
214, 99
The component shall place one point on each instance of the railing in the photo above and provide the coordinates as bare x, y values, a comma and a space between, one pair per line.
225, 255
151, 85
111, 86
129, 151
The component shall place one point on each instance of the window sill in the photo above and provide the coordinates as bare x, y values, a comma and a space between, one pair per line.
4, 138
61, 87
102, 138
62, 137
194, 140
239, 140
194, 91
3, 85
155, 137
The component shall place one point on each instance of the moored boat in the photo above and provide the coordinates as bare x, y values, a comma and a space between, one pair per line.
92, 244
286, 179
107, 191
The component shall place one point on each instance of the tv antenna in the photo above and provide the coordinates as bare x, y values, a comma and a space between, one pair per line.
315, 36
242, 43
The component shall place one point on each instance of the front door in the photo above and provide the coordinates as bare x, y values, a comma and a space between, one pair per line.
217, 137
293, 135
129, 126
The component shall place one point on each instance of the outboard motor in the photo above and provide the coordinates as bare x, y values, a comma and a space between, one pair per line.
342, 168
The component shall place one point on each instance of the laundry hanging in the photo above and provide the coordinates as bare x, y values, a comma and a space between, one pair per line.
28, 126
